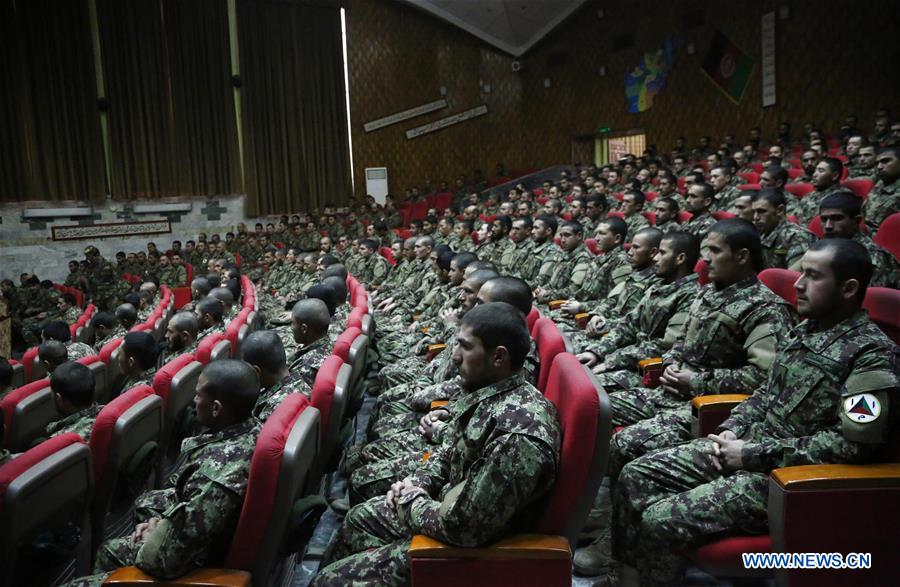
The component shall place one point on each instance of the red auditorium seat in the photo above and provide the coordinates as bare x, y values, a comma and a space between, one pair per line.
388, 254
45, 486
650, 196
285, 451
781, 281
26, 413
33, 368
211, 348
883, 305
550, 342
750, 177
343, 342
175, 383
18, 375
615, 214
860, 186
749, 187
794, 173
591, 244
101, 381
355, 317
722, 215
532, 318
127, 431
542, 559
329, 395
888, 235
757, 167
684, 217
650, 216
799, 189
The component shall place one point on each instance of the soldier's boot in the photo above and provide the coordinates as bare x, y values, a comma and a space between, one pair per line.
599, 518
596, 558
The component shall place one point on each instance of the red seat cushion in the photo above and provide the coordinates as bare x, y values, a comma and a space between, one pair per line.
107, 349
888, 235
204, 349
262, 483
162, 381
343, 342
355, 318
28, 360
550, 343
726, 553
322, 395
703, 271
781, 281
11, 400
883, 305
104, 425
532, 317
14, 468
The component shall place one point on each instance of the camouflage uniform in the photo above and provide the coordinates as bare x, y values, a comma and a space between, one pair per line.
784, 245
80, 423
188, 350
79, 350
373, 270
808, 206
173, 275
270, 398
146, 378
882, 201
507, 431
725, 198
674, 498
304, 364
107, 288
668, 226
885, 267
856, 171
198, 509
635, 222
117, 332
545, 257
699, 225
606, 271
570, 274
514, 259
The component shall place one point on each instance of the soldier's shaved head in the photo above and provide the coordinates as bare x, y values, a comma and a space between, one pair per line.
53, 353
185, 322
312, 312
126, 314
224, 295
234, 385
511, 290
264, 349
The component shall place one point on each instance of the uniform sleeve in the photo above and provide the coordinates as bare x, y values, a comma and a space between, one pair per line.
576, 281
767, 331
847, 439
511, 472
181, 540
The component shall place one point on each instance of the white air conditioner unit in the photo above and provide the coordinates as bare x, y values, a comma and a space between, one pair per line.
377, 183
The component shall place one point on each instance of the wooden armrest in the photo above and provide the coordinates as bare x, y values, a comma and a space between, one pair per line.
581, 318
439, 403
436, 347
556, 304
424, 330
417, 316
721, 401
650, 364
127, 576
521, 546
811, 477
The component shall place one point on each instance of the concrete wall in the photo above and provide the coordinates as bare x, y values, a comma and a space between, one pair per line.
27, 245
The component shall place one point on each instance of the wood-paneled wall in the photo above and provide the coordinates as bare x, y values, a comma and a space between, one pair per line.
833, 58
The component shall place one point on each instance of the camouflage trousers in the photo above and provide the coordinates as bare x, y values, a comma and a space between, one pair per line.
376, 465
405, 371
640, 403
401, 407
371, 549
619, 380
673, 498
397, 346
666, 429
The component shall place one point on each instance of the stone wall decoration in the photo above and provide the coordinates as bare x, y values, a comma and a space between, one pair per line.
112, 229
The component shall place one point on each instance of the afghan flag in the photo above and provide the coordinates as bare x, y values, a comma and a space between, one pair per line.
728, 67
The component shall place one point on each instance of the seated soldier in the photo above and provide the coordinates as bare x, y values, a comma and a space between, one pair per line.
126, 314
699, 200
570, 270
265, 353
105, 328
667, 214
783, 241
826, 180
189, 523
833, 362
310, 321
59, 330
181, 335
632, 206
884, 198
200, 288
72, 385
226, 297
496, 477
841, 214
67, 309
138, 355
209, 312
52, 354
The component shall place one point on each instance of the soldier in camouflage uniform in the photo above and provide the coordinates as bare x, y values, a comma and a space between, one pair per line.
632, 205
73, 396
884, 199
494, 248
402, 269
264, 351
189, 523
699, 199
864, 167
504, 429
138, 357
826, 180
515, 259
75, 278
310, 322
60, 331
170, 274
374, 268
821, 404
667, 215
783, 241
725, 193
611, 267
181, 335
546, 254
106, 288
841, 214
595, 208
569, 274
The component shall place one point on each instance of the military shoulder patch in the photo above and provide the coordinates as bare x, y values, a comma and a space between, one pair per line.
862, 408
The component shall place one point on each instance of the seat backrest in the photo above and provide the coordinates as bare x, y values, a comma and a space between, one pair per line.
329, 396
585, 417
781, 281
355, 318
883, 305
859, 186
233, 331
368, 325
205, 348
888, 235
221, 350
799, 189
127, 426
28, 360
550, 343
285, 451
532, 317
815, 227
356, 358
343, 342
51, 481
18, 374
176, 379
722, 215
26, 413
591, 244
101, 381
702, 271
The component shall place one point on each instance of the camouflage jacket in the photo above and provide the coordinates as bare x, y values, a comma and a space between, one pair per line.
433, 302
625, 294
79, 350
635, 222
496, 462
808, 207
543, 262
398, 273
725, 198
882, 201
885, 268
270, 398
373, 270
305, 362
856, 171
570, 274
731, 336
606, 271
80, 423
652, 327
669, 226
209, 488
784, 245
699, 225
827, 399
174, 276
515, 258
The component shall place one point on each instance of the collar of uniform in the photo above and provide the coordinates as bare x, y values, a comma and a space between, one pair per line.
468, 400
72, 418
577, 251
806, 335
194, 442
311, 346
716, 298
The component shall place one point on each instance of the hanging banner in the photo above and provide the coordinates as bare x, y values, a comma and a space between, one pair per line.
768, 59
405, 115
728, 67
448, 121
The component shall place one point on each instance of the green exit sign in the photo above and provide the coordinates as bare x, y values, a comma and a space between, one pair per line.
605, 129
